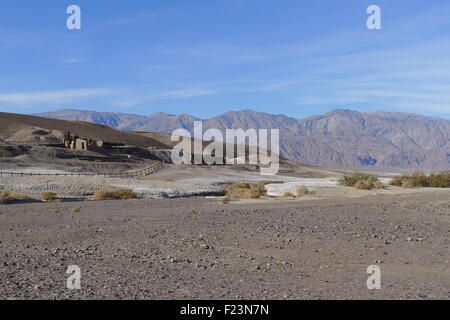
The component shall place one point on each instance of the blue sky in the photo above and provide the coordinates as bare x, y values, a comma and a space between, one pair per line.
206, 57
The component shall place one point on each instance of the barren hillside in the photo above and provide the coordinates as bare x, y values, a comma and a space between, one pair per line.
11, 124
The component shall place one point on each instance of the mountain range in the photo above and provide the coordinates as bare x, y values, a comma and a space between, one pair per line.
338, 139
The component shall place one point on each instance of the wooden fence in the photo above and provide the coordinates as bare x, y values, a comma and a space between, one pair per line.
127, 174
26, 143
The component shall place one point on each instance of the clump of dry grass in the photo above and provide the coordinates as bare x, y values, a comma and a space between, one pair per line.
169, 180
122, 194
379, 185
76, 210
439, 180
408, 185
364, 185
302, 191
243, 193
48, 197
420, 180
369, 185
359, 180
288, 195
9, 196
224, 200
246, 190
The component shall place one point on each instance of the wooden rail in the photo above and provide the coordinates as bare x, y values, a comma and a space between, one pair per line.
24, 143
128, 174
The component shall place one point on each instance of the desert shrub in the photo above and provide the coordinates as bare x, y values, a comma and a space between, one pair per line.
288, 195
224, 200
243, 193
48, 196
123, 194
9, 196
169, 180
408, 184
236, 192
76, 210
126, 194
302, 191
417, 180
364, 185
244, 185
398, 181
261, 186
255, 194
246, 190
103, 195
439, 180
379, 185
356, 178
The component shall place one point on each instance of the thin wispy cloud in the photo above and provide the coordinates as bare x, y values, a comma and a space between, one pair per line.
59, 96
143, 96
123, 97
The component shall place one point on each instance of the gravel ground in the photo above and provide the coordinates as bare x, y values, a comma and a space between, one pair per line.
200, 249
84, 187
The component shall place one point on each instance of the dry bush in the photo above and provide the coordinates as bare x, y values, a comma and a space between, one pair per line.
288, 195
243, 193
439, 180
9, 196
224, 200
398, 181
408, 184
126, 194
122, 194
104, 195
261, 187
302, 191
48, 197
169, 180
356, 178
246, 190
244, 185
379, 185
420, 180
255, 194
364, 185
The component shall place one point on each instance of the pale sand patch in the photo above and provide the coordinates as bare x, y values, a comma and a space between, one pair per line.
341, 192
278, 190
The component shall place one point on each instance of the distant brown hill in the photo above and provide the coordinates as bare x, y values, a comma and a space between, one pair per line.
338, 139
19, 127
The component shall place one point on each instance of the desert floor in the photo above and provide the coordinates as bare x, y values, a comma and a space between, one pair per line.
196, 248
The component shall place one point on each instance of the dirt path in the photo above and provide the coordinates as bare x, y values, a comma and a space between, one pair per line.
199, 249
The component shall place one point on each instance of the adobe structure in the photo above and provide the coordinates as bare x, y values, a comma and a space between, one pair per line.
80, 143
